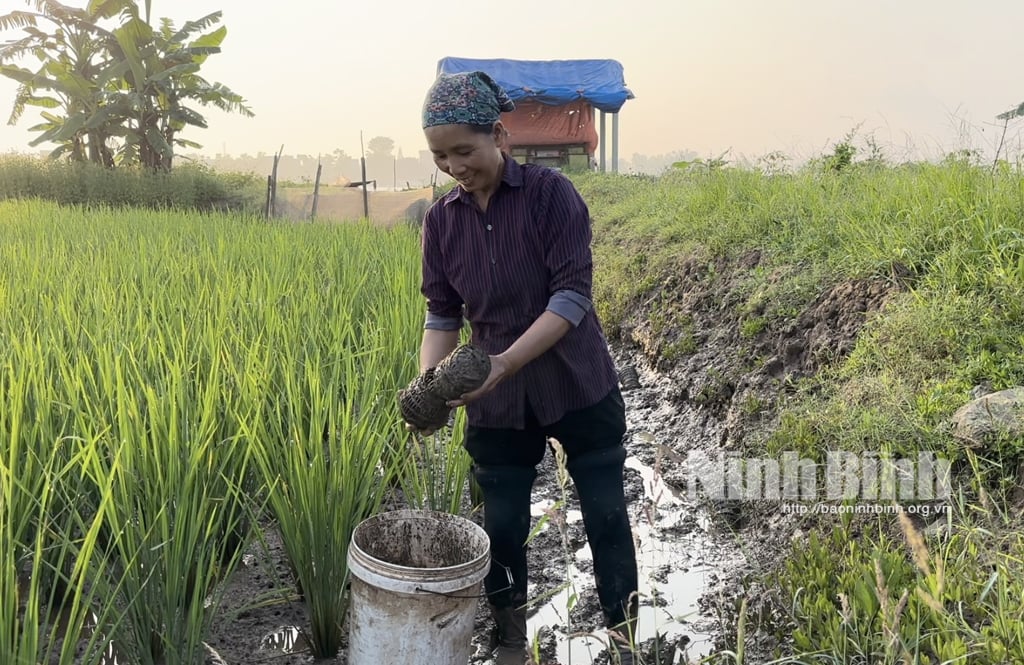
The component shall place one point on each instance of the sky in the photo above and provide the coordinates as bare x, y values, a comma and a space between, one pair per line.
920, 78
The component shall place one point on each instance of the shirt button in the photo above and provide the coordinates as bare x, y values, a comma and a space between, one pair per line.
488, 227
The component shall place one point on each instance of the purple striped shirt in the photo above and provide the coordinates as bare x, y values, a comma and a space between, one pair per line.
500, 269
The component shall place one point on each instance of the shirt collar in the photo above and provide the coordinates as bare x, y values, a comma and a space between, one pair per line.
511, 176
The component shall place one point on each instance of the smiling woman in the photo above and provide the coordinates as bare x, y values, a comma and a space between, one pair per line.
461, 121
509, 249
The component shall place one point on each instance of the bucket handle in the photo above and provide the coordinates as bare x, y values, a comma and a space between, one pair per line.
508, 576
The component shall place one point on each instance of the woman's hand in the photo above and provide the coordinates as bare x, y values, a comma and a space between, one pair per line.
501, 369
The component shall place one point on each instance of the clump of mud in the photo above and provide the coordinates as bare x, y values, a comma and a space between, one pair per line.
464, 370
424, 401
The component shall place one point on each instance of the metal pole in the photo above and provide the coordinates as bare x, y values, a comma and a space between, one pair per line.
615, 142
603, 142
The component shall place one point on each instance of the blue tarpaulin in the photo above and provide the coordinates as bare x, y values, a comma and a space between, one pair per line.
553, 82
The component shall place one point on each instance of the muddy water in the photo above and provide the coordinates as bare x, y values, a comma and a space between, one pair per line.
673, 574
680, 555
685, 560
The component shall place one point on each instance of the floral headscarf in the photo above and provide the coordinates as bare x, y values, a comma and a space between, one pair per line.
465, 99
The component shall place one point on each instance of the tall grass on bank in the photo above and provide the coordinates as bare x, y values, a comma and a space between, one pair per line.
950, 234
951, 237
956, 222
899, 600
202, 367
188, 187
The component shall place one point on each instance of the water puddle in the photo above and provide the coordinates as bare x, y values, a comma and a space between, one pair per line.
674, 561
545, 507
285, 640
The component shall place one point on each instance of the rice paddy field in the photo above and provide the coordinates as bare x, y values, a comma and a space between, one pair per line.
168, 380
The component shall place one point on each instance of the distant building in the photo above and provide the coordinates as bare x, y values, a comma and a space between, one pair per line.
557, 102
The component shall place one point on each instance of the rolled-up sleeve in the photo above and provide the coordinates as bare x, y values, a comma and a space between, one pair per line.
565, 222
569, 305
444, 305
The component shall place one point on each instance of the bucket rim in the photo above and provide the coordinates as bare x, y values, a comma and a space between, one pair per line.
445, 579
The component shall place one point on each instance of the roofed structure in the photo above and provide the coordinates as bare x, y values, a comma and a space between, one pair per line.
555, 104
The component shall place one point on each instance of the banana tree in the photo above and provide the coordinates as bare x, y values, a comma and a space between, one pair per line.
1017, 112
123, 91
161, 74
70, 76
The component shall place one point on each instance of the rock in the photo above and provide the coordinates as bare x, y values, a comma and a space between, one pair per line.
980, 420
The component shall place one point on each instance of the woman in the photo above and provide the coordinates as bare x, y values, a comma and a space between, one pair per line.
509, 250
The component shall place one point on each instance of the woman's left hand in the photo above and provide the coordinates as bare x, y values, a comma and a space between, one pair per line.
501, 369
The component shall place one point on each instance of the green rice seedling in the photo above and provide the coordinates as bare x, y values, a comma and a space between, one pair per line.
177, 511
322, 440
436, 471
49, 601
320, 458
137, 329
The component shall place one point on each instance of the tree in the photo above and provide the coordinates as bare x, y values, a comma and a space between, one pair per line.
71, 61
123, 91
1012, 113
380, 146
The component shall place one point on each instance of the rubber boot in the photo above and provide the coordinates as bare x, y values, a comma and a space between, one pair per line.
598, 479
622, 638
510, 635
620, 654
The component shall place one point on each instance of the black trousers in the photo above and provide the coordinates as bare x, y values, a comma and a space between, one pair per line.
504, 465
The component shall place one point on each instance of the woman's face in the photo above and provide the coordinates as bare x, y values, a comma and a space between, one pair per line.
472, 158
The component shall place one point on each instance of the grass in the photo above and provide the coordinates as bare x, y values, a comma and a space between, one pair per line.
950, 235
895, 599
188, 186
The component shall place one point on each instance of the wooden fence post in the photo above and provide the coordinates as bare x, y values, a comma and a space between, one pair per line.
273, 187
266, 206
366, 196
316, 188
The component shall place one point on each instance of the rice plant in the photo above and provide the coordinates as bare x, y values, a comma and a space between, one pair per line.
436, 475
203, 366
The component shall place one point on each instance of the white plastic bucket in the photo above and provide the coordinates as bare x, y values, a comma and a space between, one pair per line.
415, 587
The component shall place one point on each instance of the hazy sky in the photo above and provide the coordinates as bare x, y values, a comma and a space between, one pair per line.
752, 76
